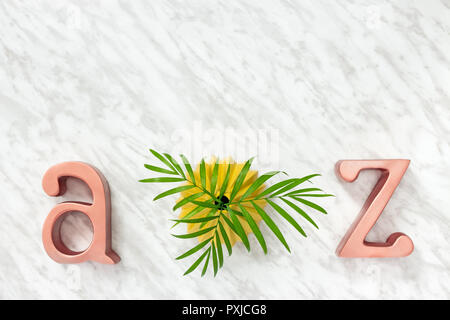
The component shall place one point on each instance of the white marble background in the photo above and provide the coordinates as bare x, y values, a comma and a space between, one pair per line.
101, 81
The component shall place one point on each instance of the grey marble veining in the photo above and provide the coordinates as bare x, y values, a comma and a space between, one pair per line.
101, 81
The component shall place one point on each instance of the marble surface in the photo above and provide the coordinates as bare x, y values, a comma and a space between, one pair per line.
102, 81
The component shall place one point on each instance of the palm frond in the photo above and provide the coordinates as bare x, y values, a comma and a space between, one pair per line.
207, 192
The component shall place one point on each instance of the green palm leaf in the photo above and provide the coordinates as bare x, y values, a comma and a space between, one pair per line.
240, 179
229, 223
205, 267
294, 184
203, 173
254, 228
214, 175
214, 258
303, 191
275, 187
173, 191
258, 182
319, 195
162, 179
272, 226
175, 164
162, 159
310, 204
194, 250
225, 238
287, 216
198, 220
205, 204
239, 229
192, 213
219, 249
197, 262
300, 211
158, 169
193, 234
188, 167
225, 181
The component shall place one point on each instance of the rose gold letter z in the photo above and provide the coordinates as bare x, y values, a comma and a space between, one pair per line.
354, 245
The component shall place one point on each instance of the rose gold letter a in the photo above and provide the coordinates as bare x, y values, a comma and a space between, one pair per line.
99, 212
